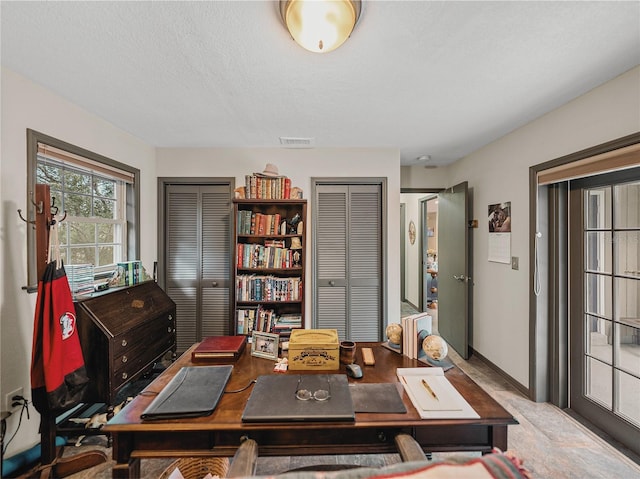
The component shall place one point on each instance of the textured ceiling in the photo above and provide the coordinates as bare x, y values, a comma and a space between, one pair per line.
428, 77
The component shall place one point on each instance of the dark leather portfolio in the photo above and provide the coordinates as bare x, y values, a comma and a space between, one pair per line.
194, 391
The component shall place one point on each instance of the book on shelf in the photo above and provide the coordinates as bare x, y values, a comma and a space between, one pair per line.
129, 273
219, 348
267, 187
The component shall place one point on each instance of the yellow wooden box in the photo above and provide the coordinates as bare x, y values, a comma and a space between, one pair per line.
314, 349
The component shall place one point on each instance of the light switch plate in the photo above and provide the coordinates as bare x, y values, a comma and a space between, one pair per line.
514, 262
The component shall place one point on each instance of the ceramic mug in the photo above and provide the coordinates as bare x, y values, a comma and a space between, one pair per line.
347, 352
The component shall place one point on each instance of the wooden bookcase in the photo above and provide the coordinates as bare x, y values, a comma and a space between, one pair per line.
269, 265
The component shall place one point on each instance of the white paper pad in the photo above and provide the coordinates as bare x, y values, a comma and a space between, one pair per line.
450, 403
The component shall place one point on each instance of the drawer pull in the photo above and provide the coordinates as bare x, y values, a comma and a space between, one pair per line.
169, 329
170, 317
124, 359
124, 342
125, 375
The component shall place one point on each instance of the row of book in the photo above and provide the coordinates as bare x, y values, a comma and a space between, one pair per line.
128, 273
250, 223
251, 287
271, 187
258, 256
414, 327
266, 320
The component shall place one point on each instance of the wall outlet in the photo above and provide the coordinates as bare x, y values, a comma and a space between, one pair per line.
8, 399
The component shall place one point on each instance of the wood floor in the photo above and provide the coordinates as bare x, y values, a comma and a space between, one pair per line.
552, 444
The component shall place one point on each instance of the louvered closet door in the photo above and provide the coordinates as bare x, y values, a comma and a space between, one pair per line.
365, 262
330, 298
197, 261
348, 255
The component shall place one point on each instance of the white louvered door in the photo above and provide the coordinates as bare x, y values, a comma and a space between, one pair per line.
348, 260
197, 242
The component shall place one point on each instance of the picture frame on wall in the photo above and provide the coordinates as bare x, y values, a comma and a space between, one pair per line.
265, 345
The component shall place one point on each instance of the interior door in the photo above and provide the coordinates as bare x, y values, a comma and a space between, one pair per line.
454, 281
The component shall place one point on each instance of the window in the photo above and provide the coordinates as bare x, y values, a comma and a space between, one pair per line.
99, 196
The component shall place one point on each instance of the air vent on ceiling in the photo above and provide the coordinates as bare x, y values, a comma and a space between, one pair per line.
291, 142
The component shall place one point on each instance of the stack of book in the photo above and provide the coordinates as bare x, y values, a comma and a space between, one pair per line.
219, 348
285, 323
80, 277
266, 320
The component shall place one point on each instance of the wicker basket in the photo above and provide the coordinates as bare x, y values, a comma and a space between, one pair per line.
198, 467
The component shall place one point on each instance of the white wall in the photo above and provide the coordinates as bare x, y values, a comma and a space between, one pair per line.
27, 105
301, 165
500, 172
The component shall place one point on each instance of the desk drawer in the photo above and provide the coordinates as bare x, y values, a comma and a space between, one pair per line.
148, 331
125, 368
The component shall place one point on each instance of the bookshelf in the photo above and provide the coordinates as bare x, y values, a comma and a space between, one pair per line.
269, 265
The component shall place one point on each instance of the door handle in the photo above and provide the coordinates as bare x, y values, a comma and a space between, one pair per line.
462, 278
214, 284
332, 283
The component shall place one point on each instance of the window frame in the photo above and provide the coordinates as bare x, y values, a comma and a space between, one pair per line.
132, 209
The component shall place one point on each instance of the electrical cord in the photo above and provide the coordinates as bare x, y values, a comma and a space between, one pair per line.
242, 389
25, 407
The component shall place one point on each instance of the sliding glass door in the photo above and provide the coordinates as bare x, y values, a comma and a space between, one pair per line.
605, 302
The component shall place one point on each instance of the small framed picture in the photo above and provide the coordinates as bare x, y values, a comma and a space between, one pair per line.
264, 345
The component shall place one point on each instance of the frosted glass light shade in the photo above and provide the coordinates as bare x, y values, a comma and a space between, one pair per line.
320, 26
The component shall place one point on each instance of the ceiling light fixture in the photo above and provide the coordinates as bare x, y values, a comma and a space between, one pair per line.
320, 26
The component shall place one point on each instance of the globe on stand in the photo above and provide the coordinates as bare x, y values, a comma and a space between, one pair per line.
435, 347
394, 336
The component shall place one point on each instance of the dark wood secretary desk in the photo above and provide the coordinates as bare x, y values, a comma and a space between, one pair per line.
123, 332
372, 433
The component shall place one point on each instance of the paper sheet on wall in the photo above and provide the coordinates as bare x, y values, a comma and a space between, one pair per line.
449, 403
500, 247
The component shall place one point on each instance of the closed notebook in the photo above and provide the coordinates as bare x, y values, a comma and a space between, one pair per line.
194, 391
219, 348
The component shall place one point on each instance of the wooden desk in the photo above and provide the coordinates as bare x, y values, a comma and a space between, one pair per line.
220, 433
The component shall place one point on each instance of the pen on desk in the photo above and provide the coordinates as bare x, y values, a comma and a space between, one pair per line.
428, 388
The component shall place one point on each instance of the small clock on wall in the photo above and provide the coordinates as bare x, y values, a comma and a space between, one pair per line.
412, 232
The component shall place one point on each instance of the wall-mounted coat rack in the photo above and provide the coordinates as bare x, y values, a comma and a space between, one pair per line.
45, 216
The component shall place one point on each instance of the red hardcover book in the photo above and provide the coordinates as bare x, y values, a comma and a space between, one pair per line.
287, 188
219, 348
